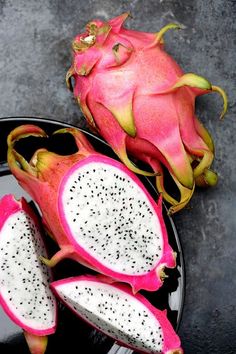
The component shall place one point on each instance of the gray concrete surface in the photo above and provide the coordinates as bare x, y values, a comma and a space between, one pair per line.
35, 39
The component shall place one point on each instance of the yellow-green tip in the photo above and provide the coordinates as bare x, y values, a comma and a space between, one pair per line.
224, 97
163, 30
208, 178
193, 80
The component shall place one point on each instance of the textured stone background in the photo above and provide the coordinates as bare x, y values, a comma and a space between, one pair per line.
35, 39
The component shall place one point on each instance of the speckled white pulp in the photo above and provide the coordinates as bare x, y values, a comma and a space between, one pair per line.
115, 312
110, 216
24, 280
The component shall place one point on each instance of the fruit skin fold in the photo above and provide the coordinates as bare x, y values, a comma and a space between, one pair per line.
141, 102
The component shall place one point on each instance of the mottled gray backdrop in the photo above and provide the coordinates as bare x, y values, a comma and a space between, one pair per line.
35, 39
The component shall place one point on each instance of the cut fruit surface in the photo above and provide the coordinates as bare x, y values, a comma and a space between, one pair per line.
24, 281
113, 309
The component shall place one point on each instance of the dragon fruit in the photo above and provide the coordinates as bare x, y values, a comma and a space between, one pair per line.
140, 101
97, 210
25, 294
113, 309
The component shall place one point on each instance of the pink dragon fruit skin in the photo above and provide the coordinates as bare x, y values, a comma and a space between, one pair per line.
34, 328
41, 179
46, 178
138, 98
69, 292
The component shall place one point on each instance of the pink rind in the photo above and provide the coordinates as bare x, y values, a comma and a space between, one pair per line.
149, 281
38, 332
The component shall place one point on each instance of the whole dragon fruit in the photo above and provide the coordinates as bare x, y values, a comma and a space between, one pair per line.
25, 294
113, 309
97, 210
138, 98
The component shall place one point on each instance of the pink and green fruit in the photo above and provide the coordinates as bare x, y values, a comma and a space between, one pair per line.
141, 102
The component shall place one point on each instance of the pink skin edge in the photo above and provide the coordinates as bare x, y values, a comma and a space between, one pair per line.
117, 22
149, 281
9, 206
38, 332
171, 340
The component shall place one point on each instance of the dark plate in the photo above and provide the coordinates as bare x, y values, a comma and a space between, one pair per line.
71, 331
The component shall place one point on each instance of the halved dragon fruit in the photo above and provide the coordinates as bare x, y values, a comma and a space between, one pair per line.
113, 309
25, 294
97, 210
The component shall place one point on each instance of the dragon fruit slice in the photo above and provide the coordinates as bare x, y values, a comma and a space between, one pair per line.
25, 294
97, 210
138, 98
113, 309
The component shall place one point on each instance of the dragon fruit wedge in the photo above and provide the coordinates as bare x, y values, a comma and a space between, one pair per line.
140, 101
113, 309
25, 294
97, 210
